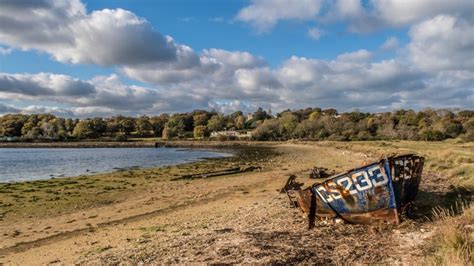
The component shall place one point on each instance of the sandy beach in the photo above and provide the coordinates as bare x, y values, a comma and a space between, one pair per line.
156, 215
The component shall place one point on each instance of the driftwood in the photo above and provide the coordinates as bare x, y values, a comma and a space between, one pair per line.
229, 171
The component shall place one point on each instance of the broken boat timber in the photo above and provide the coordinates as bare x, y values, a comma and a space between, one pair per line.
376, 192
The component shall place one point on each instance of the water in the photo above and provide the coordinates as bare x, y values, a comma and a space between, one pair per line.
22, 164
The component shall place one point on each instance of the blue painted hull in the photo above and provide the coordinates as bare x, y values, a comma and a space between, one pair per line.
374, 192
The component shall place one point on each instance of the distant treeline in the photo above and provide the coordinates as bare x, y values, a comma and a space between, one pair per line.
309, 123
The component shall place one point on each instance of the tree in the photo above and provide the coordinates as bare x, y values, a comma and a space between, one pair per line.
112, 126
143, 126
69, 125
176, 125
200, 119
239, 122
288, 122
28, 126
313, 123
33, 133
330, 112
11, 127
216, 123
260, 114
268, 130
315, 115
158, 124
308, 128
98, 126
83, 130
431, 135
49, 131
126, 125
200, 132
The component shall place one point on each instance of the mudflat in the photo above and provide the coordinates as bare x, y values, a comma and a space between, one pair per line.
174, 215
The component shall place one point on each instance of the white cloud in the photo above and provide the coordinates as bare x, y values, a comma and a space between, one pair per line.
104, 92
265, 14
435, 68
405, 12
43, 84
93, 111
443, 43
228, 107
64, 30
235, 59
211, 67
360, 16
361, 55
38, 109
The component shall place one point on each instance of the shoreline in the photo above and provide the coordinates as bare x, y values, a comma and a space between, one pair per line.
117, 181
141, 144
219, 153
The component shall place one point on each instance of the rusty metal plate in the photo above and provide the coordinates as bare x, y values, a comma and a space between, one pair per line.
406, 173
354, 195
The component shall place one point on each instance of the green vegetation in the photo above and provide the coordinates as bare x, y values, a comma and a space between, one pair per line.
309, 123
317, 124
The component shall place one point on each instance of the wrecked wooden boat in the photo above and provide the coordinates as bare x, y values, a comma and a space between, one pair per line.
376, 192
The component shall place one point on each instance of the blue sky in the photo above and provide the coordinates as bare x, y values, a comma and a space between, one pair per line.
229, 55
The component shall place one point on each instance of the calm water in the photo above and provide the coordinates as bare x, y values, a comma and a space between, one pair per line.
21, 164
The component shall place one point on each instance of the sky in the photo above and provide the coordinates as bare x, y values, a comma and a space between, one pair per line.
84, 58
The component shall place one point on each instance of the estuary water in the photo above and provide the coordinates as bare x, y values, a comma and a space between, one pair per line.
24, 164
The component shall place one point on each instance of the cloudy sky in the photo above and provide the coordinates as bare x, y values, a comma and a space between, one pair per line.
84, 58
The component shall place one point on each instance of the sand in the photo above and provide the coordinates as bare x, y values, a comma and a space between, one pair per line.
239, 218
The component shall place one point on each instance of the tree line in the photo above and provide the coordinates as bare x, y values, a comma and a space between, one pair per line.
309, 123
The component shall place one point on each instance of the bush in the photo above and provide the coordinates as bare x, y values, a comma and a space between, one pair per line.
364, 135
432, 135
268, 130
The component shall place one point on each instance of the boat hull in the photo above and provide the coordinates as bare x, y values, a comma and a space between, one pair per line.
376, 192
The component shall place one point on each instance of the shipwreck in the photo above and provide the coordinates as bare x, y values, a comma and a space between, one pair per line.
375, 192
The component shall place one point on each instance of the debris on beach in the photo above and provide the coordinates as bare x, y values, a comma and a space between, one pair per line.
376, 192
320, 172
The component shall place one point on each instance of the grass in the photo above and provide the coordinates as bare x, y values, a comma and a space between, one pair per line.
453, 242
154, 229
451, 158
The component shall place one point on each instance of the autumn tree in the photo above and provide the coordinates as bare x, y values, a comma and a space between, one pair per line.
200, 132
83, 130
158, 124
216, 123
